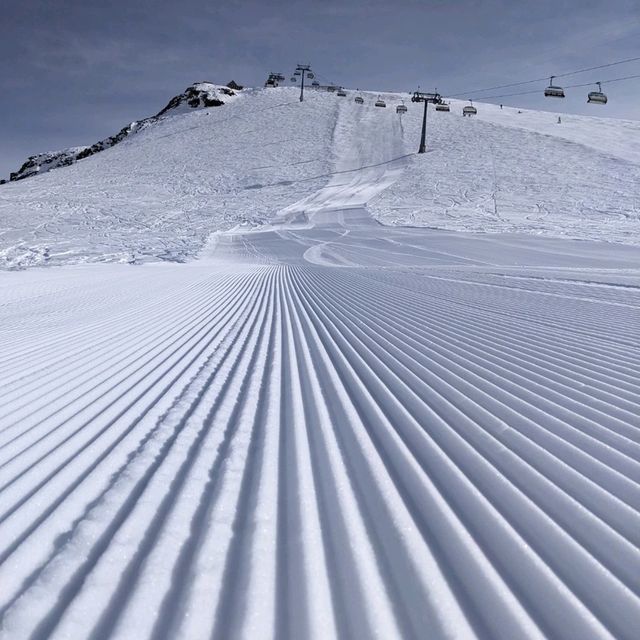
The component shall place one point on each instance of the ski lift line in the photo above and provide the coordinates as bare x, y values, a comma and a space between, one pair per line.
336, 173
588, 84
559, 75
567, 86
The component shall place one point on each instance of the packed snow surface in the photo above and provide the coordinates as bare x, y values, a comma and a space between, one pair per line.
324, 427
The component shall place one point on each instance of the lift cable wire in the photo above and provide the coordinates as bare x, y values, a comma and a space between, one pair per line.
560, 75
569, 86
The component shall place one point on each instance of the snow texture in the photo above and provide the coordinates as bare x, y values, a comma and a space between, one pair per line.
323, 427
158, 195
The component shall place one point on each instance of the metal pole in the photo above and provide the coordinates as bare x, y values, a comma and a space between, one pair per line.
423, 139
302, 86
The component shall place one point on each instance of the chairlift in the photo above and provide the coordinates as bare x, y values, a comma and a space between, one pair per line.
442, 106
359, 100
294, 79
296, 73
310, 75
553, 91
401, 108
315, 83
380, 102
332, 88
597, 97
469, 110
342, 93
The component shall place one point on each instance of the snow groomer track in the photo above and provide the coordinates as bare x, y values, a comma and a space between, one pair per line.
253, 445
325, 428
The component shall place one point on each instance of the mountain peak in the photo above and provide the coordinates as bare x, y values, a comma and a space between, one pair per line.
199, 95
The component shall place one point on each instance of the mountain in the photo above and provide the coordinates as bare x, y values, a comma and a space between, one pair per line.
200, 95
192, 170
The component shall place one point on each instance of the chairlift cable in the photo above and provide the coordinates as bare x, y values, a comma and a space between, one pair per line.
569, 86
559, 75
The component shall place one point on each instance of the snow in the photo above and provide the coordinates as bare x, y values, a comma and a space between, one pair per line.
158, 195
520, 172
323, 426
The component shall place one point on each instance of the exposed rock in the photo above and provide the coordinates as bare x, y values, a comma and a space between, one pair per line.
43, 162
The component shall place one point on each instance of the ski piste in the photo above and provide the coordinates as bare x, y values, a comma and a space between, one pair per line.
330, 421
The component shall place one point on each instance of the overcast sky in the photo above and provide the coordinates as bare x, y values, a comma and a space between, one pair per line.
75, 71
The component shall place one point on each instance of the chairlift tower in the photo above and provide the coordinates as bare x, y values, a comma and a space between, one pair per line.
421, 96
305, 70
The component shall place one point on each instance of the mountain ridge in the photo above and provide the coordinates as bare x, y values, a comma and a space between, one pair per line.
199, 95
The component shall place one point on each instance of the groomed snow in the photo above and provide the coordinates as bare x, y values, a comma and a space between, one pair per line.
324, 427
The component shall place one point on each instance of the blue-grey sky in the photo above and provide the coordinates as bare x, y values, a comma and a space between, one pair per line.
75, 71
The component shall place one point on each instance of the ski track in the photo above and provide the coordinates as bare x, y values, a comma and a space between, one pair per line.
327, 428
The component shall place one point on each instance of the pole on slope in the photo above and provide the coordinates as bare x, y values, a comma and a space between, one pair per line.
303, 69
421, 96
423, 138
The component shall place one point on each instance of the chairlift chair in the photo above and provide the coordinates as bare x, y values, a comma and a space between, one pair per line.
553, 91
401, 108
442, 106
294, 79
342, 93
315, 83
597, 97
469, 110
297, 73
359, 100
380, 102
310, 75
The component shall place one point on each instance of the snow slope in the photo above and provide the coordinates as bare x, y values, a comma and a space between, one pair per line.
509, 171
325, 427
159, 194
439, 442
198, 95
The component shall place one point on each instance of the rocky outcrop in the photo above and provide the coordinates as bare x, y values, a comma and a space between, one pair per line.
43, 162
201, 95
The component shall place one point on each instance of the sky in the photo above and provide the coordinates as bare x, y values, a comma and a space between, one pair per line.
76, 71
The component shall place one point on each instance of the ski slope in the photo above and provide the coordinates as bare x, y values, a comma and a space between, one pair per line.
326, 427
512, 171
161, 192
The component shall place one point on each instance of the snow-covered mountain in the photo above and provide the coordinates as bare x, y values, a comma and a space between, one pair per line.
198, 96
161, 193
